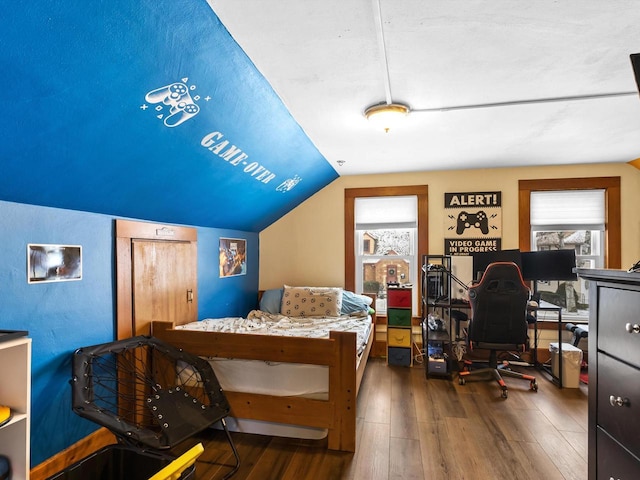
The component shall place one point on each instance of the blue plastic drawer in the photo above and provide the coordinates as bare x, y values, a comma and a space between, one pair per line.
399, 356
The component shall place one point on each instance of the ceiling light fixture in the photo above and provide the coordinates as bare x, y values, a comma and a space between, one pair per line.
385, 114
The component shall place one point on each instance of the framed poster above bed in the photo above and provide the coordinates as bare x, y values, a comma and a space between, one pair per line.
233, 257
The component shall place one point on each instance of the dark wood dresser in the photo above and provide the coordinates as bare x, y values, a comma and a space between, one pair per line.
614, 374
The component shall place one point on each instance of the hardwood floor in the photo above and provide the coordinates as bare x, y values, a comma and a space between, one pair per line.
413, 428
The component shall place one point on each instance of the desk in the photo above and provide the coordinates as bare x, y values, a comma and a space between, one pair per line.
549, 307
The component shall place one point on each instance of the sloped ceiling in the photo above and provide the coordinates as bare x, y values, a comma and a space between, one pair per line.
496, 83
146, 109
266, 107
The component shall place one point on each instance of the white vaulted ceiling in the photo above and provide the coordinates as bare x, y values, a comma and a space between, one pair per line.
490, 84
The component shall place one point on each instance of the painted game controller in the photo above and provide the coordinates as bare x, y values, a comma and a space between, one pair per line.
468, 220
176, 96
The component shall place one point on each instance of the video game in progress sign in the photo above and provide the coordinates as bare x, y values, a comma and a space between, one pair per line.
473, 222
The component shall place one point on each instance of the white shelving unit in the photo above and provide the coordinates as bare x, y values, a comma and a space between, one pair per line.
15, 392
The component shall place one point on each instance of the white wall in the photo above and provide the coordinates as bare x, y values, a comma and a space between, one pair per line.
306, 246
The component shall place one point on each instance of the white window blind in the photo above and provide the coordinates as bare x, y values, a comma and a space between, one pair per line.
554, 209
386, 212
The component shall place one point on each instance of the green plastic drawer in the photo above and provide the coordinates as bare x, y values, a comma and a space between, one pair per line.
399, 316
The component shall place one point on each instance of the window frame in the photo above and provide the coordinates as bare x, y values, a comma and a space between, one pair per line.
612, 222
350, 195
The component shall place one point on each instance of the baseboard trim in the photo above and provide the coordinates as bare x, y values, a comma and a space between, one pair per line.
82, 448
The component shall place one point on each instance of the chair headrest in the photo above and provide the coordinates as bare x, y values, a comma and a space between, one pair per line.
500, 277
502, 270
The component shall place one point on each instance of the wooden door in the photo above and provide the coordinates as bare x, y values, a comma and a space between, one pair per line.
156, 268
164, 285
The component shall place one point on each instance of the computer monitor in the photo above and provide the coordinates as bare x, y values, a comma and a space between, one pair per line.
482, 259
549, 265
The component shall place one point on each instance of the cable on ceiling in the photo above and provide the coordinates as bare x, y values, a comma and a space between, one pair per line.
525, 102
383, 50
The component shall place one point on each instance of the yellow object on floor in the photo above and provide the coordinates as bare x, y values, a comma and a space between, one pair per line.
180, 464
5, 414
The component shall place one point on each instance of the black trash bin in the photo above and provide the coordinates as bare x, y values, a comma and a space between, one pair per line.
115, 462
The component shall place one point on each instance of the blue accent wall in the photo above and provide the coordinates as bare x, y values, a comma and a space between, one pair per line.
139, 109
63, 316
146, 109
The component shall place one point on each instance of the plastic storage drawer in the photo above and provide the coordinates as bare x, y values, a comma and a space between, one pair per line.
399, 297
399, 337
399, 356
399, 316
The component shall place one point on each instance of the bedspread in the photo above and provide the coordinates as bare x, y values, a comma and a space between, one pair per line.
263, 323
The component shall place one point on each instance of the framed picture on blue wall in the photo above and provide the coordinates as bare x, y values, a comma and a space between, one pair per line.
53, 263
233, 257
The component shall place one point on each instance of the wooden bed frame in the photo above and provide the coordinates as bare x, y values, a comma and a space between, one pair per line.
337, 414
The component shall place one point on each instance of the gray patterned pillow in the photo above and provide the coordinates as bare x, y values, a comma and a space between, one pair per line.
311, 301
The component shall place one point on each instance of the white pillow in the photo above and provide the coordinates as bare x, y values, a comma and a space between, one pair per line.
311, 301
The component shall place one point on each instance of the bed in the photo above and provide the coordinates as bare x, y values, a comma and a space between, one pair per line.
333, 349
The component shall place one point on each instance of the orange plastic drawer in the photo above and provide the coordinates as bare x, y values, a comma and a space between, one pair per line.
398, 337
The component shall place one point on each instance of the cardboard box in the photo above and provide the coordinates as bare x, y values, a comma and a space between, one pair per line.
437, 365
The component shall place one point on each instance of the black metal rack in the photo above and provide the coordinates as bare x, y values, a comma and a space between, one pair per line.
437, 303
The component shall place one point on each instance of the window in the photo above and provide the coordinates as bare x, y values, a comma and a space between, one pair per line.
570, 219
578, 214
385, 232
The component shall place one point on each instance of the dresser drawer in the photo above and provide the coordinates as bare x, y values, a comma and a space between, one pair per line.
622, 422
398, 337
616, 309
399, 297
399, 316
614, 461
